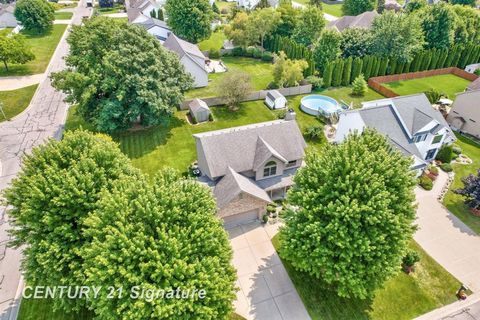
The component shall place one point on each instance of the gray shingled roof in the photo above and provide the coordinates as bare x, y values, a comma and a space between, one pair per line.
237, 147
182, 47
475, 85
196, 105
363, 20
152, 22
264, 152
274, 94
10, 8
232, 184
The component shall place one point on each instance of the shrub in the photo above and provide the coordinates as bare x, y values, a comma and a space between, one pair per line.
447, 167
280, 114
425, 182
224, 11
456, 149
408, 262
445, 154
210, 117
433, 95
271, 208
315, 81
214, 54
359, 86
267, 56
237, 51
249, 52
477, 72
314, 132
265, 218
272, 85
433, 170
257, 53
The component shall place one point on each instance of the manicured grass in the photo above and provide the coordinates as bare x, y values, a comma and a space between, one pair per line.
115, 9
5, 31
63, 15
403, 297
333, 9
261, 74
343, 94
446, 83
454, 202
215, 42
15, 101
43, 46
225, 5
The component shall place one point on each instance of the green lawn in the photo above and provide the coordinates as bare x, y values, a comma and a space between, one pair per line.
215, 42
343, 94
403, 297
454, 202
15, 101
225, 5
5, 31
63, 15
115, 9
333, 9
446, 83
43, 46
261, 74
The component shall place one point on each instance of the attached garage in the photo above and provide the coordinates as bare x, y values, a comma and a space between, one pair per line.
241, 218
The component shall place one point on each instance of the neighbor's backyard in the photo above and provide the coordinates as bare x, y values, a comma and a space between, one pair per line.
403, 296
446, 83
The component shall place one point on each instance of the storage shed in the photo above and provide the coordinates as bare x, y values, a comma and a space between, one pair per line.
275, 100
199, 110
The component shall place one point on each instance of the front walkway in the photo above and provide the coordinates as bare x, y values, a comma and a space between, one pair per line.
18, 82
446, 238
266, 291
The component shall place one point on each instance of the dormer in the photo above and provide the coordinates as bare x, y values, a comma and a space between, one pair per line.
268, 162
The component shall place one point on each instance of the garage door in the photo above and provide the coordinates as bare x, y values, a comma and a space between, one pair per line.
241, 218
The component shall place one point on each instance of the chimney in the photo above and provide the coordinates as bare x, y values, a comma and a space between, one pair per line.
290, 115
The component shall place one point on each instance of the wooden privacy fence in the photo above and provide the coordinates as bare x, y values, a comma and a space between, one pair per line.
376, 82
257, 95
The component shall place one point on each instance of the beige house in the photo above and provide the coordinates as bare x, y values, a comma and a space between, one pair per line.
250, 166
465, 113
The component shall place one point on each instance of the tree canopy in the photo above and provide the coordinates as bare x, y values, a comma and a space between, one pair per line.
439, 24
310, 25
351, 214
356, 42
288, 20
326, 48
471, 190
234, 88
118, 74
160, 236
286, 72
356, 7
190, 19
58, 187
34, 15
13, 49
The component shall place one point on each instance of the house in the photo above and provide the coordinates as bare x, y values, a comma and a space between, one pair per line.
464, 115
199, 110
141, 10
275, 100
363, 20
472, 67
7, 18
409, 122
475, 85
392, 5
250, 166
191, 57
158, 28
252, 4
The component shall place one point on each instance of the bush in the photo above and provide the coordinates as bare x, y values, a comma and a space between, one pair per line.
445, 155
315, 81
425, 182
408, 262
433, 170
271, 208
214, 54
433, 95
257, 53
267, 56
314, 132
359, 86
447, 167
237, 51
224, 11
456, 149
249, 52
280, 114
265, 218
210, 117
272, 85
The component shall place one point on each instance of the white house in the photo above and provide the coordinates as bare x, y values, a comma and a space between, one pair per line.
191, 57
158, 28
7, 19
139, 11
275, 100
472, 67
251, 4
409, 122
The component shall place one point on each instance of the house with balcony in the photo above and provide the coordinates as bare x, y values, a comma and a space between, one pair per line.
250, 166
410, 123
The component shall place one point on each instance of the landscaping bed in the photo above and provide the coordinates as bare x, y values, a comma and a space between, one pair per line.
43, 46
15, 101
403, 297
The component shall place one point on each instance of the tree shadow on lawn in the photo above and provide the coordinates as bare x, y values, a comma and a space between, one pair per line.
223, 113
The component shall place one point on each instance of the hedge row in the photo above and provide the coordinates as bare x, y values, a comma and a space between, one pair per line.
342, 72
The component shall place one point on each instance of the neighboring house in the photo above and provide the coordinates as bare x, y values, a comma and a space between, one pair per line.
191, 57
252, 4
139, 11
464, 115
475, 85
250, 166
157, 28
409, 122
472, 67
199, 110
392, 5
7, 19
275, 100
363, 20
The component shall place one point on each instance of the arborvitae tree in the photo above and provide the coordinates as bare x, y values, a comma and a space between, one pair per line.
443, 59
356, 68
160, 14
347, 71
367, 71
407, 67
338, 73
327, 74
434, 60
352, 213
359, 86
392, 66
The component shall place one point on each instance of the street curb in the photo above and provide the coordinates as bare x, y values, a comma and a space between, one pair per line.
445, 311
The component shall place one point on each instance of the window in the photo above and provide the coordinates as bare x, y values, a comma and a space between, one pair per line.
437, 138
270, 169
430, 154
420, 138
291, 164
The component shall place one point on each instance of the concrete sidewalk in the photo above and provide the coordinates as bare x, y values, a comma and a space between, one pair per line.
446, 238
17, 82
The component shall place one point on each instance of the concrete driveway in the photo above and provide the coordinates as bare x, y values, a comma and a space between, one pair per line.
266, 291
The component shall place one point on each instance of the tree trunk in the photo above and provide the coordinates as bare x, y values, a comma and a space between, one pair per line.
5, 64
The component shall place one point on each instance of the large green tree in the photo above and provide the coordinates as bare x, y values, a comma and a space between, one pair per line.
356, 7
326, 48
288, 20
467, 24
352, 213
58, 187
397, 36
439, 23
118, 74
262, 22
13, 49
190, 19
470, 3
310, 24
286, 72
36, 15
356, 42
159, 236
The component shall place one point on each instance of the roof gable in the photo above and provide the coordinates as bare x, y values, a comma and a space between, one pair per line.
264, 152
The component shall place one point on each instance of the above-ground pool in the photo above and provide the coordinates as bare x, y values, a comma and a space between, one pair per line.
320, 105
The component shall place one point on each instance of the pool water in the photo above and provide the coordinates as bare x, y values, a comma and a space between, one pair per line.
320, 105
